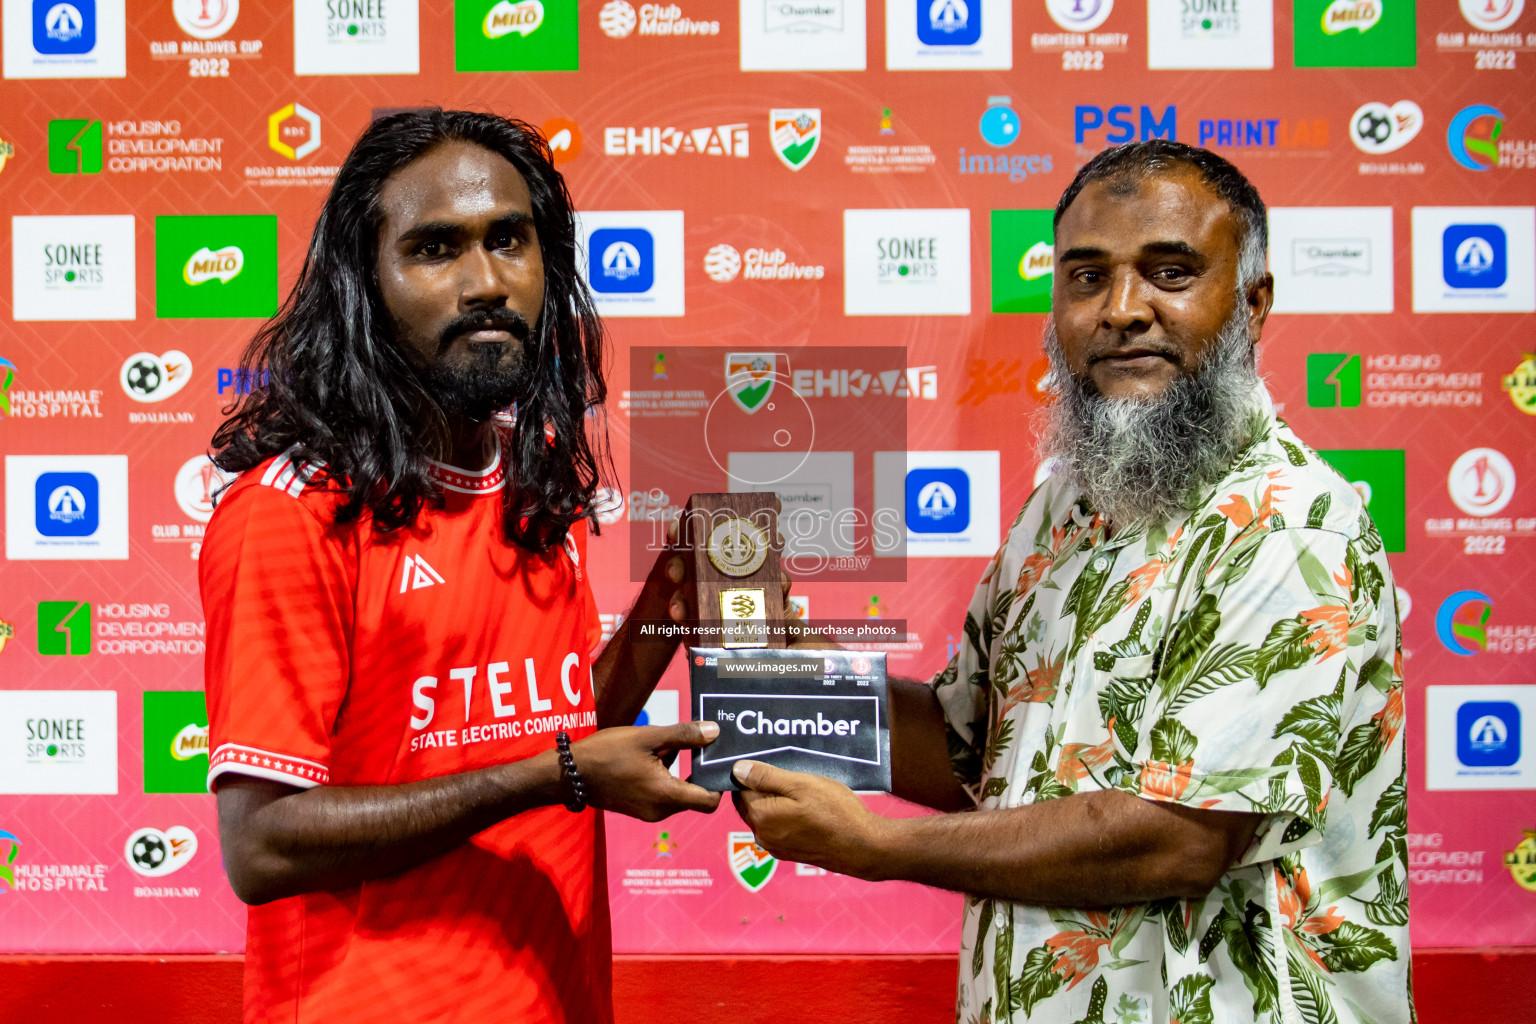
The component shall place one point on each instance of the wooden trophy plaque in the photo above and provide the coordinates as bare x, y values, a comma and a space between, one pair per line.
734, 540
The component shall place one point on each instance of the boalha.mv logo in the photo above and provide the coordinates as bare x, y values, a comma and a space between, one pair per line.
1464, 625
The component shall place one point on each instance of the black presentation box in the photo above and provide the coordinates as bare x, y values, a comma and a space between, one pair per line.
803, 710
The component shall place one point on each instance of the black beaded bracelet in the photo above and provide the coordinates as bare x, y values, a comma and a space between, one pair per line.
570, 778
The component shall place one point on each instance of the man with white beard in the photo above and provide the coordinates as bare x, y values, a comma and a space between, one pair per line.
1176, 723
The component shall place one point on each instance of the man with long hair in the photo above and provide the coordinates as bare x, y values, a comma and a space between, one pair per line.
1177, 718
400, 689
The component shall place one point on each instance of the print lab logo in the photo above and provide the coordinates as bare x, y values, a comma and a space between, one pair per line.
1473, 136
622, 260
1377, 128
751, 865
795, 134
1492, 15
60, 29
1305, 134
1119, 125
205, 19
1462, 622
154, 853
1488, 734
293, 131
949, 23
1079, 15
147, 377
1481, 482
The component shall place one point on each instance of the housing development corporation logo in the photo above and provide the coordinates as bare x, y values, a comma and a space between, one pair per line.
1333, 380
74, 146
1473, 136
64, 627
751, 865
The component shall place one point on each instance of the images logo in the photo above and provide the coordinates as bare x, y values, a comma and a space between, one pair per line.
146, 377
205, 19
1380, 477
1079, 15
216, 266
1488, 734
752, 865
949, 22
938, 500
63, 627
63, 28
1377, 128
999, 122
1000, 127
1463, 636
1347, 15
1492, 15
622, 260
1121, 129
1023, 259
1474, 256
1481, 482
7, 871
530, 35
294, 131
1521, 862
175, 741
795, 134
1521, 385
74, 146
1333, 380
152, 852
1473, 136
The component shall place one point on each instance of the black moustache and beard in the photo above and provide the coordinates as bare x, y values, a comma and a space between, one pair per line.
483, 381
1141, 462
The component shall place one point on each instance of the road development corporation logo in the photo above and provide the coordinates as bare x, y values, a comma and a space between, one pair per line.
1521, 862
528, 35
795, 134
73, 268
66, 507
1475, 737
293, 131
1376, 128
1492, 15
205, 19
154, 853
147, 377
1481, 481
1462, 622
751, 865
58, 742
216, 266
10, 849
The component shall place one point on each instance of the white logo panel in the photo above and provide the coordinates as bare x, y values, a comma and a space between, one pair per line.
906, 262
947, 35
1479, 737
962, 484
73, 268
58, 741
1331, 259
1233, 34
802, 35
627, 258
1492, 259
77, 42
384, 40
66, 507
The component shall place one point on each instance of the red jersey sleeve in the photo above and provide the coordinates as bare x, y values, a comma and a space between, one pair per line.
277, 585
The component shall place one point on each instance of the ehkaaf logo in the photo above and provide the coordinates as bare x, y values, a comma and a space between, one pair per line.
1462, 622
716, 140
1119, 126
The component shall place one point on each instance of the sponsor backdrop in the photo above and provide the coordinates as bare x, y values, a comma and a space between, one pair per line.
758, 178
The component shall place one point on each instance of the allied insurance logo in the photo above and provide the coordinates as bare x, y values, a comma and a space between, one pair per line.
64, 28
938, 500
949, 22
622, 260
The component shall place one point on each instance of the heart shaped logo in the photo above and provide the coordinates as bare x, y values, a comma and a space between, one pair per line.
147, 377
152, 852
1378, 128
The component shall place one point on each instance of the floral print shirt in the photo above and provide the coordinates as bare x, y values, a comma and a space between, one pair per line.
1244, 658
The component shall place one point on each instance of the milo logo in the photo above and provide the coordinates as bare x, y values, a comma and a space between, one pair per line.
208, 265
506, 18
1038, 261
191, 742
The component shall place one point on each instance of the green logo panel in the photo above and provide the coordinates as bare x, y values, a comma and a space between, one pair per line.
74, 146
1375, 35
1333, 380
216, 266
526, 35
63, 627
175, 741
1021, 261
1381, 477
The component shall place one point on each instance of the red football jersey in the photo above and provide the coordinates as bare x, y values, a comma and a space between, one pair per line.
340, 656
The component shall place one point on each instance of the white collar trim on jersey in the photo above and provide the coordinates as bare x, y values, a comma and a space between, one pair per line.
469, 481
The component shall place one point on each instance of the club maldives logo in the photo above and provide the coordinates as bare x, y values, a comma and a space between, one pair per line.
1473, 136
724, 262
795, 134
752, 865
1521, 861
207, 19
505, 18
618, 20
1462, 622
10, 848
1481, 481
1521, 385
750, 378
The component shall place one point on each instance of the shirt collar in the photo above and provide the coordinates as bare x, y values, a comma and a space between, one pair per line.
469, 481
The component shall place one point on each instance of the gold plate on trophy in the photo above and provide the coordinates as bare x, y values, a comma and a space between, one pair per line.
738, 547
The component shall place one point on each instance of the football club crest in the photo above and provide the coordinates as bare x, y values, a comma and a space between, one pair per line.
796, 135
752, 865
749, 378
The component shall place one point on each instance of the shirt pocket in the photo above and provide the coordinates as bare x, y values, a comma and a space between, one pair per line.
1122, 692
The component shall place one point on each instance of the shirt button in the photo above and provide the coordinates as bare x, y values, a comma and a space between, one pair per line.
1100, 564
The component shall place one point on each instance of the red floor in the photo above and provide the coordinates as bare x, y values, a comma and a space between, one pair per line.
1454, 987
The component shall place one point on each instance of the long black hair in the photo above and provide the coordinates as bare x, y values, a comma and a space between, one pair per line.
331, 380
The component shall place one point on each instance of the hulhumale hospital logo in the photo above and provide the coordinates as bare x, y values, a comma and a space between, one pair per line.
1473, 136
1464, 636
10, 847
